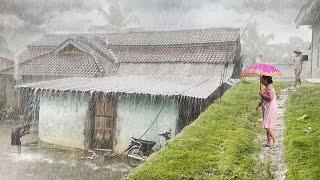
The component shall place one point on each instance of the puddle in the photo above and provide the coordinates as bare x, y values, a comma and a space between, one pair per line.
36, 162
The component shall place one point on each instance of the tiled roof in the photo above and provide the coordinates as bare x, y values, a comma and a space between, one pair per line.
201, 36
211, 46
92, 62
197, 54
32, 53
179, 69
52, 64
193, 86
147, 38
98, 50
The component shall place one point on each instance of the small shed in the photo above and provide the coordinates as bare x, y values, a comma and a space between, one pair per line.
309, 15
105, 112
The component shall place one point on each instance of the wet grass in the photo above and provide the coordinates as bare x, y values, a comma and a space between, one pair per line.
220, 144
303, 133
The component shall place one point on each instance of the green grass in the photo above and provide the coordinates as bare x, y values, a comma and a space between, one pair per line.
221, 143
302, 138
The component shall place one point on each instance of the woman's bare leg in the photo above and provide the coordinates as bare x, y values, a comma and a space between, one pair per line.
272, 136
269, 142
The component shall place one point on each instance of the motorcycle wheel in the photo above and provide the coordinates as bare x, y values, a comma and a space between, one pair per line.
135, 152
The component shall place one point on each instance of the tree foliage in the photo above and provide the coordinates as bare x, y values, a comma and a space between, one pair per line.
254, 43
117, 19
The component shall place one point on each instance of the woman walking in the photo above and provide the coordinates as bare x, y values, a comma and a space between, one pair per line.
269, 109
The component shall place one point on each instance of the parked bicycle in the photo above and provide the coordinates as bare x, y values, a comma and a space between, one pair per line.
139, 149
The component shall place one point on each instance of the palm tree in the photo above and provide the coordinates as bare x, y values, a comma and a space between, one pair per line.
117, 20
254, 43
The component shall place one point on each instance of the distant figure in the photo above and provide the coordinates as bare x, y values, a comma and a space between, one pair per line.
17, 134
259, 59
297, 62
269, 109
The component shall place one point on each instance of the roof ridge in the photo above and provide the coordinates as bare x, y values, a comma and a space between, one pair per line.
151, 31
217, 43
72, 40
97, 60
153, 38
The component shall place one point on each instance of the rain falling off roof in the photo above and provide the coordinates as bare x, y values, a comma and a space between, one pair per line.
193, 86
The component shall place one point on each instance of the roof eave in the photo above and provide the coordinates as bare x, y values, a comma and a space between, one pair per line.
307, 13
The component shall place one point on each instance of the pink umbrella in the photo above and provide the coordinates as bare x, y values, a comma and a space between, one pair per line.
258, 70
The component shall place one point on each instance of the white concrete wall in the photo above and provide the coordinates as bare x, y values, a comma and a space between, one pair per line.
287, 70
62, 119
316, 50
134, 116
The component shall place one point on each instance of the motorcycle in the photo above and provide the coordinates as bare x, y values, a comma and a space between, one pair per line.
139, 149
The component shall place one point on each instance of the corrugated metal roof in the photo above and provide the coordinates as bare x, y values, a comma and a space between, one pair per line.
147, 38
192, 86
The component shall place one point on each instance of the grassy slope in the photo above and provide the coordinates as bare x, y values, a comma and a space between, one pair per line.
219, 144
303, 136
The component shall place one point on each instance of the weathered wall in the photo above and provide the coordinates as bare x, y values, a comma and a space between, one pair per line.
13, 97
6, 89
62, 118
136, 113
316, 49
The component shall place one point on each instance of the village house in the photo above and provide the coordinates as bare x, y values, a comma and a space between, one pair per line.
309, 15
97, 91
4, 63
6, 84
105, 112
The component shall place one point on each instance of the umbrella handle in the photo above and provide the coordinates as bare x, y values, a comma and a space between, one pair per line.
260, 82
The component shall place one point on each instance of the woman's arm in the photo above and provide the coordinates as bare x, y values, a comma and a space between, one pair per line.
24, 132
268, 95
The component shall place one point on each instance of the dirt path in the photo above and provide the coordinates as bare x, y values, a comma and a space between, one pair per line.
274, 158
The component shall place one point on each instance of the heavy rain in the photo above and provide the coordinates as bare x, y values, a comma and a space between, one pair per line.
93, 89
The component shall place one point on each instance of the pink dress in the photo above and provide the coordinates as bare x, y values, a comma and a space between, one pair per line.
269, 108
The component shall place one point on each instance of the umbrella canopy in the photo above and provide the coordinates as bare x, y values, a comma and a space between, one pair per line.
258, 70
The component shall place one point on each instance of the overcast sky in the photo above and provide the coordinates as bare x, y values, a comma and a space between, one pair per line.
22, 21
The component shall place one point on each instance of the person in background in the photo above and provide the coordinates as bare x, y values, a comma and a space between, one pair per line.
297, 62
259, 59
17, 134
269, 109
